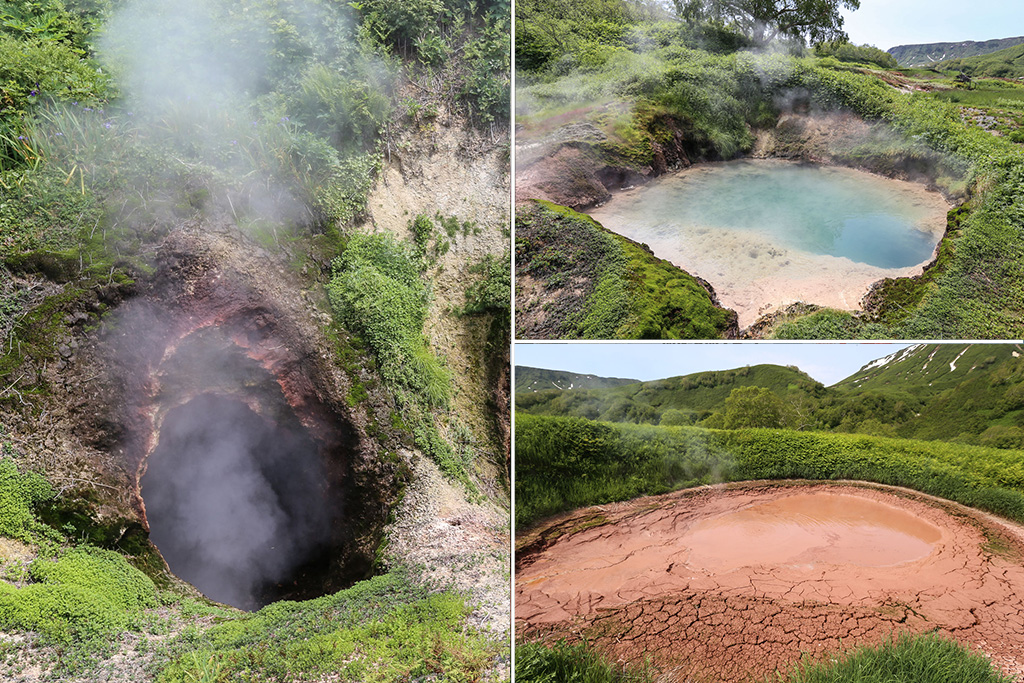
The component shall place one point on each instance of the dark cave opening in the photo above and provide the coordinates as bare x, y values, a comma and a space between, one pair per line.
239, 505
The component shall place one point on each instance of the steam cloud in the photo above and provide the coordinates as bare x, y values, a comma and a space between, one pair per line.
235, 503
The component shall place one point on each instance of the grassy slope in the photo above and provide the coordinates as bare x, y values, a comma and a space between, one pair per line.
700, 392
530, 380
1005, 63
931, 53
610, 287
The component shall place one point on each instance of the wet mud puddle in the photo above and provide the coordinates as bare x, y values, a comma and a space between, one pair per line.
735, 584
809, 530
766, 233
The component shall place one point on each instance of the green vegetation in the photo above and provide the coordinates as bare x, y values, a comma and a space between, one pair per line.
860, 54
377, 291
929, 658
693, 93
918, 395
698, 395
86, 594
1005, 63
620, 289
567, 463
531, 380
818, 20
565, 663
20, 496
929, 54
389, 628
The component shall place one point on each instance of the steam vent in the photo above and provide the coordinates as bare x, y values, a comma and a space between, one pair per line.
249, 471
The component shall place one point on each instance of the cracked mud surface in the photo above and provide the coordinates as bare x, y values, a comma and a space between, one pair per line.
726, 584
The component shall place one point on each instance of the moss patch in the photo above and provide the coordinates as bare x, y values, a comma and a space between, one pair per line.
594, 284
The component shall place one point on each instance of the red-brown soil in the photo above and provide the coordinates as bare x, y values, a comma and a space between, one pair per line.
732, 583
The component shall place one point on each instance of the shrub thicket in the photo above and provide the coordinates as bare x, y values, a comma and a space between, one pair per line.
566, 463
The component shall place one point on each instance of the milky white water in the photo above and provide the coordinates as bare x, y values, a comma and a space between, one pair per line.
766, 233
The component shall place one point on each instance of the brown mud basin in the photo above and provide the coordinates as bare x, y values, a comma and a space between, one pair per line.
732, 583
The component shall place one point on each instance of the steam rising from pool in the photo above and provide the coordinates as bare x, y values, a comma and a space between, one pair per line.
235, 502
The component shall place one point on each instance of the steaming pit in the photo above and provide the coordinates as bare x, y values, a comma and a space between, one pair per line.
236, 502
256, 480
736, 583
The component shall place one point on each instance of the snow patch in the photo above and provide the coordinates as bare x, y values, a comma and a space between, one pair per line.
952, 366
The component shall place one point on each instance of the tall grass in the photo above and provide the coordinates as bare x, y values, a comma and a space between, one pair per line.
565, 663
922, 659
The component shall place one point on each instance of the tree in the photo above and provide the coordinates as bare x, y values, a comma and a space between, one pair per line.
749, 407
766, 20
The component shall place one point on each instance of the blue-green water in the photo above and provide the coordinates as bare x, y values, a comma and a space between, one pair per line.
819, 210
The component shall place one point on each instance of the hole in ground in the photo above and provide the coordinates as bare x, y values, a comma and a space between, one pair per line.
239, 505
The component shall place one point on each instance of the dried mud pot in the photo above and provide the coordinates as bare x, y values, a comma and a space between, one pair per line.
726, 584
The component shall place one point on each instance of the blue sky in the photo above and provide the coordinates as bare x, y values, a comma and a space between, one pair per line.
826, 362
887, 23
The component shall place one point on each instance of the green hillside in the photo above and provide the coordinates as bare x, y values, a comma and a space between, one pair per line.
531, 380
692, 397
971, 393
928, 54
926, 369
1005, 63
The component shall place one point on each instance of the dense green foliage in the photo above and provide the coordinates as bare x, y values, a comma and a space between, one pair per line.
85, 594
565, 663
929, 658
469, 42
566, 463
20, 494
768, 20
863, 54
621, 290
389, 628
377, 290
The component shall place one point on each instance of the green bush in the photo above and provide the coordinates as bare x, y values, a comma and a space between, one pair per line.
85, 594
377, 291
566, 463
19, 496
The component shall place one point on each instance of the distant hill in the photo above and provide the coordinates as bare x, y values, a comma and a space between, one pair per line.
698, 394
930, 54
928, 369
529, 380
1006, 63
970, 393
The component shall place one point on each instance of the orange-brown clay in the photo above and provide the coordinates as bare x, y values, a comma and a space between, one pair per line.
722, 584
